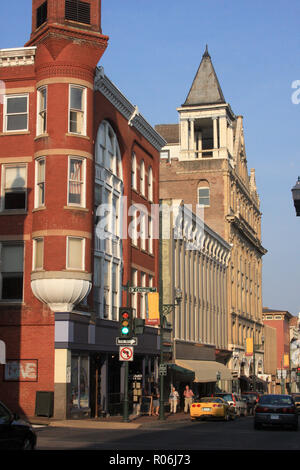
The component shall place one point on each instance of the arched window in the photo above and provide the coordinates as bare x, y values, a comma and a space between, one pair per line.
142, 178
133, 171
150, 184
203, 194
107, 149
108, 225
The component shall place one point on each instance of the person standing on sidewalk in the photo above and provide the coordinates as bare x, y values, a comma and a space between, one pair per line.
188, 398
173, 398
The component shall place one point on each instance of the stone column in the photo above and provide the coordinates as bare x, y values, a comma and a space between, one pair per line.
223, 136
62, 383
184, 136
215, 136
192, 139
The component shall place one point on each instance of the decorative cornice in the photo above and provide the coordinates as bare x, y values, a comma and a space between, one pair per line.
127, 109
17, 56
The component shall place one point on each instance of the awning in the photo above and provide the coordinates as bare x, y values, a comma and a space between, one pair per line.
182, 370
2, 353
206, 371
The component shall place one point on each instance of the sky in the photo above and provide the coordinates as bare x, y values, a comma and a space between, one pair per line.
154, 51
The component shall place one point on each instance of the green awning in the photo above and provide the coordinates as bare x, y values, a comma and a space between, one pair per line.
182, 370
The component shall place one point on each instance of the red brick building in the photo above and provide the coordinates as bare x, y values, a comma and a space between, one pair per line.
280, 320
70, 142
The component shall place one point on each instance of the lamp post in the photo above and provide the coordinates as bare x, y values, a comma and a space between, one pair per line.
164, 310
296, 196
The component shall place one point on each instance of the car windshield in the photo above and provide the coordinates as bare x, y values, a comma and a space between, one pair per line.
227, 397
211, 400
275, 400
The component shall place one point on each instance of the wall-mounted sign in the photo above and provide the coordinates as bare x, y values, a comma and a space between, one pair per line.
23, 370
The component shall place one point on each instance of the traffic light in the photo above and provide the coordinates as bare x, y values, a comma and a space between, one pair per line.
125, 322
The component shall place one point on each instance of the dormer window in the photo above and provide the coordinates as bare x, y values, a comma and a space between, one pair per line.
41, 14
78, 11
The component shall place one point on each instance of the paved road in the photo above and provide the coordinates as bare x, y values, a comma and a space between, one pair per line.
233, 435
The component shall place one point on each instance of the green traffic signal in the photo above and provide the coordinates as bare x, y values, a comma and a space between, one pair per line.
125, 322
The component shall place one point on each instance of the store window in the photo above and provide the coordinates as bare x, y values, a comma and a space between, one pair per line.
80, 382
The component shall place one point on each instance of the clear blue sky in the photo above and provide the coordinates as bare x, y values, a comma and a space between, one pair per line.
154, 51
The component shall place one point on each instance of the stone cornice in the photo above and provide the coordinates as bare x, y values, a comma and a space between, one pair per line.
127, 109
17, 56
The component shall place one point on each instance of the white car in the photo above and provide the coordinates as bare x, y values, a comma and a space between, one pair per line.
236, 401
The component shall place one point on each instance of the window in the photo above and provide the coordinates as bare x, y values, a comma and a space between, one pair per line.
165, 154
203, 196
77, 105
142, 178
41, 111
150, 239
38, 254
133, 171
78, 11
41, 14
150, 184
14, 186
75, 253
11, 271
40, 166
15, 113
76, 184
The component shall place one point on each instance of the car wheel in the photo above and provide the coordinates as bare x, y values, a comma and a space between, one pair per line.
257, 426
27, 444
295, 427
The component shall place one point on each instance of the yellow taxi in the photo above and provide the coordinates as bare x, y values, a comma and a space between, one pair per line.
211, 407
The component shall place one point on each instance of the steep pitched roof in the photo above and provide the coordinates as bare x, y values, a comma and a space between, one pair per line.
206, 87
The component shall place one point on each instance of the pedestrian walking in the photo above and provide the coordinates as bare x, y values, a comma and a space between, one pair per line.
173, 399
155, 402
188, 398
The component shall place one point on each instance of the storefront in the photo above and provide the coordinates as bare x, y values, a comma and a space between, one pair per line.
89, 374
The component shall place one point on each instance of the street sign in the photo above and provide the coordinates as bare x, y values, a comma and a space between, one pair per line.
140, 290
162, 367
127, 342
126, 353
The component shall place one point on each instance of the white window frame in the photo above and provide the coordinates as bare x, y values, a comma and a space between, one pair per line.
41, 122
142, 178
34, 252
82, 185
37, 183
82, 268
11, 243
198, 198
3, 179
133, 172
150, 184
6, 98
84, 111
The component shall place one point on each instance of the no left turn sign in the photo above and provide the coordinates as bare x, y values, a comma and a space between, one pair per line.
126, 353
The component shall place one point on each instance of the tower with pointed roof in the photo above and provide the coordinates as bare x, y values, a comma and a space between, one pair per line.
205, 163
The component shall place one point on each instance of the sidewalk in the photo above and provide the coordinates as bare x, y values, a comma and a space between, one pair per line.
112, 422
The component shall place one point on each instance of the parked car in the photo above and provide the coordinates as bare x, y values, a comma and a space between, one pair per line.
276, 410
236, 401
296, 398
212, 408
15, 433
251, 402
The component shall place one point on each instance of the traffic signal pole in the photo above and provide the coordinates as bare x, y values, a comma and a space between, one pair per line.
126, 374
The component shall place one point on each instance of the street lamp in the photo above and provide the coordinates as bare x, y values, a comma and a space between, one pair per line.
296, 196
165, 309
